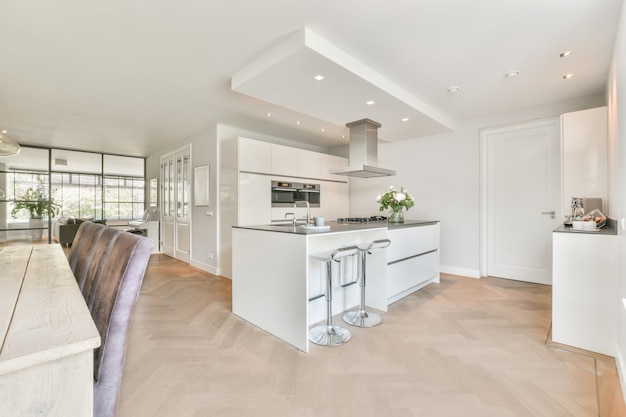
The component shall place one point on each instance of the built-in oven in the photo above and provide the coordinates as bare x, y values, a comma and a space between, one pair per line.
310, 193
285, 193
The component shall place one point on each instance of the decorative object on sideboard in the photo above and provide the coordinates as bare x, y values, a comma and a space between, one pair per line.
396, 200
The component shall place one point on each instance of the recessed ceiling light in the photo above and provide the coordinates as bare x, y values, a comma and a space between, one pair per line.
343, 136
565, 54
405, 119
370, 102
323, 130
4, 131
454, 89
511, 74
298, 122
268, 114
319, 77
568, 76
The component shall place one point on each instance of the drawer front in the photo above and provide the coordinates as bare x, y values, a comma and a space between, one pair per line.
412, 241
411, 272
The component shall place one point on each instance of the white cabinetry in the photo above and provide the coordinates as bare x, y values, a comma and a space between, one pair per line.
309, 164
412, 259
255, 205
584, 140
254, 155
584, 288
248, 166
151, 228
284, 160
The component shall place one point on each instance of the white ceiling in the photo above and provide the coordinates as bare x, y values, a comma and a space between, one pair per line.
132, 77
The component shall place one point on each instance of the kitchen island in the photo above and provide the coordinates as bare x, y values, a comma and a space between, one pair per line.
275, 272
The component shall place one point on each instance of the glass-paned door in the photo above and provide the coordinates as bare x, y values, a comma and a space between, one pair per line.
175, 204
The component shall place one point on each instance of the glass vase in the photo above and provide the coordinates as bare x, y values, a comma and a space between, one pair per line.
397, 216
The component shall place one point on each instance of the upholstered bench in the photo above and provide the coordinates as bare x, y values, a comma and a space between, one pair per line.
109, 265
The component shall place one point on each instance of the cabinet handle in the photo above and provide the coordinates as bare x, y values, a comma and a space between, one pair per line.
551, 213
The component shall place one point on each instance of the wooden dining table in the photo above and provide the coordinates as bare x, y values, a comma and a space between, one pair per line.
47, 335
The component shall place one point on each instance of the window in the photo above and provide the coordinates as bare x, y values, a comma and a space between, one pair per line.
123, 197
80, 195
81, 184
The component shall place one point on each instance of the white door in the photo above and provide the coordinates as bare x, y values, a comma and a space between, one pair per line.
168, 204
183, 206
175, 204
522, 207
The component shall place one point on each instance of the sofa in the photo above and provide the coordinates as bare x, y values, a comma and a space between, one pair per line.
64, 228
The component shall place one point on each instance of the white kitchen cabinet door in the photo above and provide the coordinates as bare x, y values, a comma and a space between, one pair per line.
284, 160
410, 275
411, 241
584, 139
255, 202
255, 156
308, 164
584, 286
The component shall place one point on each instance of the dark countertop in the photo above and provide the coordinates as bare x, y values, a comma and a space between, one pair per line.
609, 229
338, 227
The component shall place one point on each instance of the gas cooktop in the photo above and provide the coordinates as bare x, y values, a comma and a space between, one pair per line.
361, 219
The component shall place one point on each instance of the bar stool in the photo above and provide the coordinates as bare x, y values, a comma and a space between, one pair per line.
362, 318
327, 334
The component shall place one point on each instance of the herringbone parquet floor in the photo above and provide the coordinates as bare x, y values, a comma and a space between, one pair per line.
465, 347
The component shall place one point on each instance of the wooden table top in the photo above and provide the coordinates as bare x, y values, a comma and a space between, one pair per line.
43, 315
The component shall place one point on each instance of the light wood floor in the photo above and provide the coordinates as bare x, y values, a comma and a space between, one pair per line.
465, 347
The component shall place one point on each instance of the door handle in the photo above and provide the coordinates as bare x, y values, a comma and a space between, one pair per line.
551, 213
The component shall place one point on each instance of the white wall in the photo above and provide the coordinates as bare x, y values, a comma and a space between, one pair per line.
617, 177
443, 174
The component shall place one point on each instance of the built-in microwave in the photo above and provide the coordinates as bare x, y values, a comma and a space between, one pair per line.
285, 193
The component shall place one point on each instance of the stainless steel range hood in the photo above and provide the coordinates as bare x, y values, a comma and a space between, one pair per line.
363, 152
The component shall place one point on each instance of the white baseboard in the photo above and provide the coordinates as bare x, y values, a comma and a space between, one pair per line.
204, 267
452, 270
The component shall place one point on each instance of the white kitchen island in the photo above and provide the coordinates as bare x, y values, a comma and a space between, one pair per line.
275, 274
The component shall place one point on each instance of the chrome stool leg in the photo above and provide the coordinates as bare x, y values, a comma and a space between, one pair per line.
329, 334
362, 318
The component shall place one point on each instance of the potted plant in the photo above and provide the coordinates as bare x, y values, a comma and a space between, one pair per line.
396, 200
38, 205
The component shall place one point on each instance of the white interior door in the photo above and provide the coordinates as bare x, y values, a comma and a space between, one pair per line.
522, 199
168, 205
183, 206
175, 204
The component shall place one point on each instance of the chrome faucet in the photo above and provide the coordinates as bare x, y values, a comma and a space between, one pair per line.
293, 218
308, 209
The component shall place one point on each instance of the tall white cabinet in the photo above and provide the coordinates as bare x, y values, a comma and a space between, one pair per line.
247, 168
584, 141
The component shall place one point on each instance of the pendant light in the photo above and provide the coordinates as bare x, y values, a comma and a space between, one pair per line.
8, 146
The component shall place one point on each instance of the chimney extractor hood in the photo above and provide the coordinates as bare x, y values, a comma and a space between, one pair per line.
363, 151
